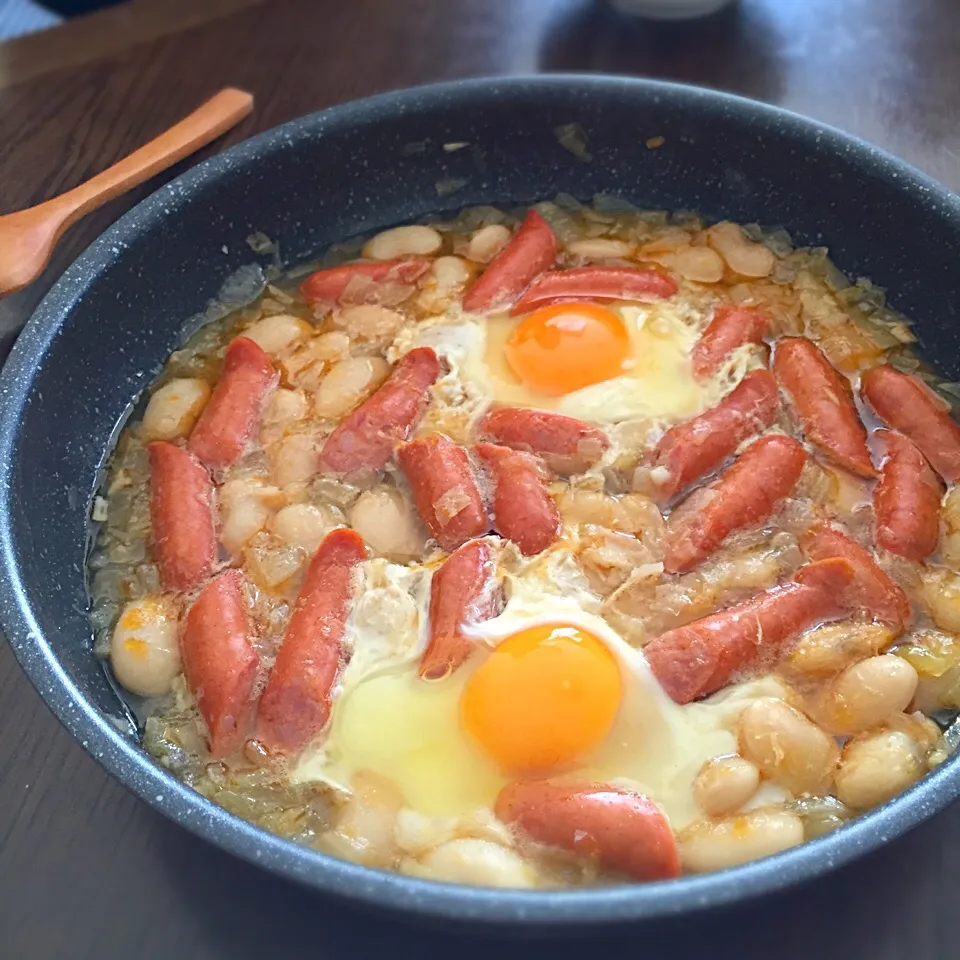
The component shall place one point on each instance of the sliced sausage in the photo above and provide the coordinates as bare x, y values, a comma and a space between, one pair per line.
596, 283
364, 441
445, 489
696, 448
295, 705
701, 657
619, 829
463, 591
906, 500
181, 517
731, 327
745, 496
908, 405
872, 591
823, 402
523, 510
328, 286
232, 415
220, 661
566, 445
531, 250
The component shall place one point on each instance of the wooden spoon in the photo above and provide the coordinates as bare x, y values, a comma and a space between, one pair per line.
27, 237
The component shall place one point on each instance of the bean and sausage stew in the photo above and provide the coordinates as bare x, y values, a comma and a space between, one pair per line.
556, 547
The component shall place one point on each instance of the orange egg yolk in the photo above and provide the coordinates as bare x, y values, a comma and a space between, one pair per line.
567, 346
544, 697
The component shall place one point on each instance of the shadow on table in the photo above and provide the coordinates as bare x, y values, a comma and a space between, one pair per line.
243, 912
735, 49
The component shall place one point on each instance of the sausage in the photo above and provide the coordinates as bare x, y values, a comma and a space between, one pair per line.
731, 327
823, 402
620, 829
904, 403
701, 657
364, 441
462, 591
523, 511
232, 414
328, 286
445, 489
693, 449
531, 250
744, 496
596, 283
872, 591
295, 705
220, 661
906, 500
566, 445
181, 517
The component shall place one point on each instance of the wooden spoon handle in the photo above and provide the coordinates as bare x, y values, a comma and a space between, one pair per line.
199, 128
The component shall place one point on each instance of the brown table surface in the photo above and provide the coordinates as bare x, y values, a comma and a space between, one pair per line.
86, 870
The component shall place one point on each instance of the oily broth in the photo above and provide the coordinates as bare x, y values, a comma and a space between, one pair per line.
804, 294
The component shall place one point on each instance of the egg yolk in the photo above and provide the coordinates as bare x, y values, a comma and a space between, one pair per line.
567, 346
544, 696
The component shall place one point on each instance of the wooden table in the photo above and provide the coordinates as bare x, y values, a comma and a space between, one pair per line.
86, 870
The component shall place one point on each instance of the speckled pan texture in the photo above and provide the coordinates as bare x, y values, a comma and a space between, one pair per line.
103, 331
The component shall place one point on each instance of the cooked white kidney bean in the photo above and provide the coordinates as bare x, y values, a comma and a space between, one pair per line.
364, 831
787, 747
145, 650
867, 694
700, 264
305, 525
742, 255
369, 321
348, 384
414, 240
724, 784
174, 408
246, 504
877, 767
447, 277
950, 529
294, 459
284, 408
388, 523
599, 248
825, 651
332, 346
277, 334
714, 845
940, 592
469, 860
487, 242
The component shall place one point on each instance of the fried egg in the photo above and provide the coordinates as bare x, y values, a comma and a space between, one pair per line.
552, 690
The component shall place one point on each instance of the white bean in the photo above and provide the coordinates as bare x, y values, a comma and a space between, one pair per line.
878, 767
348, 384
711, 845
278, 333
145, 650
283, 408
173, 409
469, 860
332, 346
599, 248
246, 504
940, 592
294, 459
487, 242
388, 523
742, 255
825, 651
867, 694
305, 525
950, 533
416, 240
724, 784
700, 264
369, 321
447, 277
787, 747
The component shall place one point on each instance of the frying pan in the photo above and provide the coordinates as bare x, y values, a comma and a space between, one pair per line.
104, 330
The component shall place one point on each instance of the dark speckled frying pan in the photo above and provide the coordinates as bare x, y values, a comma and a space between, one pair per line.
105, 329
